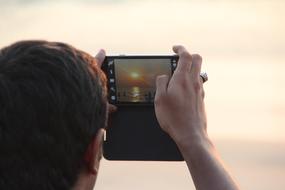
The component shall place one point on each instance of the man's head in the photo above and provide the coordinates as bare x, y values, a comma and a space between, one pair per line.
52, 107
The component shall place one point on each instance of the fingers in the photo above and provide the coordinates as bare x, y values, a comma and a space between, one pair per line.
100, 57
185, 58
161, 86
196, 66
195, 74
111, 108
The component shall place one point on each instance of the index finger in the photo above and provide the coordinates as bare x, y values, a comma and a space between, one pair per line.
185, 58
100, 57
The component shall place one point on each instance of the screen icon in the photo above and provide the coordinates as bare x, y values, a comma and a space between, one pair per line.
110, 63
112, 89
113, 98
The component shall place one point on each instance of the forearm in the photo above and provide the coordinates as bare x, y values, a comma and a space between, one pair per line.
205, 166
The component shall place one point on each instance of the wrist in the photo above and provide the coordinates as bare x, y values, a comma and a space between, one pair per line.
194, 143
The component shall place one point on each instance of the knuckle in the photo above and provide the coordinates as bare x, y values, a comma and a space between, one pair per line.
198, 58
161, 80
159, 77
183, 79
197, 86
196, 63
186, 55
158, 100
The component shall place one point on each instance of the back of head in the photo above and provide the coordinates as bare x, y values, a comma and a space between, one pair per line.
52, 102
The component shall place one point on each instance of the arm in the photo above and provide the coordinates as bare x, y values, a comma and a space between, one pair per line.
180, 111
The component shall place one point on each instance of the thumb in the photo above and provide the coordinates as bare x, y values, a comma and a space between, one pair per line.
161, 85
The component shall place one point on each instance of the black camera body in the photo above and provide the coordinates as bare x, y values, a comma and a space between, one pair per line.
134, 132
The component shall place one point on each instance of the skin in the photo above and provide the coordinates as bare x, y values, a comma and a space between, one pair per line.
187, 126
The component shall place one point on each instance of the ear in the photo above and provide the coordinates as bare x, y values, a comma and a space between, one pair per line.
93, 154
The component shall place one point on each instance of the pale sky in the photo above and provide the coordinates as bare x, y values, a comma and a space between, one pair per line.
242, 43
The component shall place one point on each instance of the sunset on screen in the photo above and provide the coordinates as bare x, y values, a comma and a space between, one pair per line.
135, 78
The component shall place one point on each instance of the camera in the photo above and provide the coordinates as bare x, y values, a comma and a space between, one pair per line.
134, 132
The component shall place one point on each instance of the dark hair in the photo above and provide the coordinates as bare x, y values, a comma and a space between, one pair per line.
52, 103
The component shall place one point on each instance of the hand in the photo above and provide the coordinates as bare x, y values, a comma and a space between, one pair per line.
179, 104
179, 107
99, 60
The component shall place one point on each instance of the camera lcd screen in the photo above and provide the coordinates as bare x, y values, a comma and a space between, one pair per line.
131, 79
135, 78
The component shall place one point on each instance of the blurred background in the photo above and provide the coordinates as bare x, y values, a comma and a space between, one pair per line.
243, 48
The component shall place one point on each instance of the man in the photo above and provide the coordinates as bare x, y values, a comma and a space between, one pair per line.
54, 110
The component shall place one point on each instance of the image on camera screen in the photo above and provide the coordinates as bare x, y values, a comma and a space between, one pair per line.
135, 78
